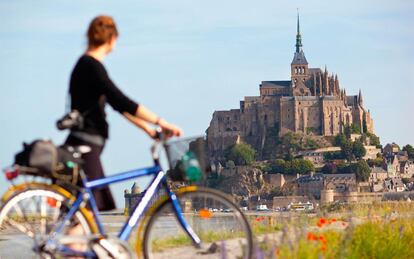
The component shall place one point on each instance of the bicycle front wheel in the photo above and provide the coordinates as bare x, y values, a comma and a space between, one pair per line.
218, 222
31, 214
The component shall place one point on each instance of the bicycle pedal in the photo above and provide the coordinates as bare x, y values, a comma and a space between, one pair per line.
214, 248
111, 248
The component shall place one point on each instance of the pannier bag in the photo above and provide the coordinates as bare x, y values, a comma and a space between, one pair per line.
43, 158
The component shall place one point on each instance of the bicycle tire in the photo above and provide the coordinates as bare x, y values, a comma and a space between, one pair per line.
30, 213
227, 235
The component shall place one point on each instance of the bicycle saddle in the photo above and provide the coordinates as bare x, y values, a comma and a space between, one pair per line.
81, 149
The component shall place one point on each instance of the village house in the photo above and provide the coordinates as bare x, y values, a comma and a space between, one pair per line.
406, 169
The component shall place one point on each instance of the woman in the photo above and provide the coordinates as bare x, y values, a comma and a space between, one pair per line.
90, 89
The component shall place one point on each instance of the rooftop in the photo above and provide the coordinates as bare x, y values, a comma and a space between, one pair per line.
276, 84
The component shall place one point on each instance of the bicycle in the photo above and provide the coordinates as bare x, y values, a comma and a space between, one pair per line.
210, 224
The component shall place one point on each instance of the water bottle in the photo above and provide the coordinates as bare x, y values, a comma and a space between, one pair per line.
191, 167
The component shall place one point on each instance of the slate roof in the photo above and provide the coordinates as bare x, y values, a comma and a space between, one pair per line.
299, 58
315, 70
309, 178
276, 84
352, 100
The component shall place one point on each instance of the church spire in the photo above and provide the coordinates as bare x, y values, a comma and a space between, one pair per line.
298, 37
360, 100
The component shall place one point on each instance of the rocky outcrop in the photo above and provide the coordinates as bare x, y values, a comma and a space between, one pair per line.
242, 181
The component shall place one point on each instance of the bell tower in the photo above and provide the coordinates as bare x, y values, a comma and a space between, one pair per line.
299, 65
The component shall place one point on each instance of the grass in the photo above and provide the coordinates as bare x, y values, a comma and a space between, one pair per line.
161, 244
367, 240
379, 230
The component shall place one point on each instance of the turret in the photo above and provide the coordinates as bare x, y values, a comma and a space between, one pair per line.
360, 100
320, 84
337, 84
345, 99
326, 78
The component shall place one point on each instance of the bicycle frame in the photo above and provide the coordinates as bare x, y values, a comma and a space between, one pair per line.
159, 181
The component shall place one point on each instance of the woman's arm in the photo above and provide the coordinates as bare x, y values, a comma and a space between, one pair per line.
141, 124
143, 116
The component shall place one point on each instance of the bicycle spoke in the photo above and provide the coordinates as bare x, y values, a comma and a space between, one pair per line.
33, 214
22, 215
43, 216
19, 227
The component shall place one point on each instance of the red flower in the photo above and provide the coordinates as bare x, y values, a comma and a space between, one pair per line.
322, 239
319, 224
260, 219
311, 236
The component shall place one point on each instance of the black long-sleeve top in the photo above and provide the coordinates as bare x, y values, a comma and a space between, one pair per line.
90, 89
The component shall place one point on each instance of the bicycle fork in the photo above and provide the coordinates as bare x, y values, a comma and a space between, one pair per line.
179, 214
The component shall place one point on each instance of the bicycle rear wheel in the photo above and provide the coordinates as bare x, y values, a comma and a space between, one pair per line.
30, 215
218, 222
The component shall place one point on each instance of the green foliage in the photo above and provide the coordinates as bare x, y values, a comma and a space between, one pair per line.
374, 140
410, 151
333, 155
373, 240
352, 129
377, 162
339, 140
311, 144
358, 149
295, 166
272, 141
346, 150
242, 154
355, 129
329, 168
310, 130
230, 164
361, 170
350, 150
278, 166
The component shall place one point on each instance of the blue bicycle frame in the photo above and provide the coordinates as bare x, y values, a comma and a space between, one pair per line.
159, 181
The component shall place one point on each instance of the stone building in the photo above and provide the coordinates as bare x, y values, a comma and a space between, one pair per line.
311, 102
133, 197
312, 185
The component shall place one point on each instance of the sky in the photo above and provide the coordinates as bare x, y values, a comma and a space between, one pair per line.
185, 59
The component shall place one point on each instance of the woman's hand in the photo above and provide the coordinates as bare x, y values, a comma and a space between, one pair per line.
169, 130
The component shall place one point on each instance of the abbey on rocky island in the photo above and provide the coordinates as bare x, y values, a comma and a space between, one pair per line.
311, 102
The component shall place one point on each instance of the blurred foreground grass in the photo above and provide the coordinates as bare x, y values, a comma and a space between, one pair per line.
379, 230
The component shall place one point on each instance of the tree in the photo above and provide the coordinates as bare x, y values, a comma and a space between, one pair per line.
339, 140
347, 131
242, 154
346, 150
306, 166
230, 164
290, 144
278, 166
361, 170
410, 150
355, 129
377, 162
374, 140
329, 168
299, 166
358, 149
